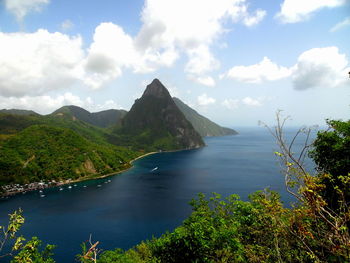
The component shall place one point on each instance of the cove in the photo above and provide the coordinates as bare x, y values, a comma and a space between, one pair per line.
122, 210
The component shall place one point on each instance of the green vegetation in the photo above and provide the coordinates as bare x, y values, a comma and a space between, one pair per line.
331, 153
201, 124
19, 250
11, 124
231, 230
19, 112
72, 143
45, 153
101, 119
262, 230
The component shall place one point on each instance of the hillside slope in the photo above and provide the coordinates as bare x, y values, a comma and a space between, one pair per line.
13, 123
42, 152
201, 124
18, 112
101, 119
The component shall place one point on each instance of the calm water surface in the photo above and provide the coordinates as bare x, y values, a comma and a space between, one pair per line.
122, 210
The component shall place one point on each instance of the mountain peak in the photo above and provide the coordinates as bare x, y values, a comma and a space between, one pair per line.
155, 122
156, 89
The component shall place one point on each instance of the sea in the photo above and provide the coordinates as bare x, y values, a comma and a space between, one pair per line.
153, 196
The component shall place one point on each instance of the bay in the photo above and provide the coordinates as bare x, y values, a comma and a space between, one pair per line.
150, 198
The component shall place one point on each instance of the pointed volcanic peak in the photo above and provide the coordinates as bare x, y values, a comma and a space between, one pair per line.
101, 119
204, 126
156, 89
156, 123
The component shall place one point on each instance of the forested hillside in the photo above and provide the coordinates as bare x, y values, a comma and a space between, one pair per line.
46, 153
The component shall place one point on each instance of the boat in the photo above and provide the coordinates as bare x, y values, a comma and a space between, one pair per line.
70, 187
99, 185
42, 195
154, 169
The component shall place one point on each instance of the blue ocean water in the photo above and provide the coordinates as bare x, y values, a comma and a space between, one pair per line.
122, 210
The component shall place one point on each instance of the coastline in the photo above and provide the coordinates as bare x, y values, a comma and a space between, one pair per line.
81, 179
91, 177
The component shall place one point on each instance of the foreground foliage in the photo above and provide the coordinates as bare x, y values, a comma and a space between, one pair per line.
316, 229
262, 230
14, 246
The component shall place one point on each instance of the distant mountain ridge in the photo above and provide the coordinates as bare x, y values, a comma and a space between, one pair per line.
18, 112
155, 122
74, 143
201, 124
102, 119
111, 117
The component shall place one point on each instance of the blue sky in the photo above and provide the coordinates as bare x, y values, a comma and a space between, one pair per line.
234, 61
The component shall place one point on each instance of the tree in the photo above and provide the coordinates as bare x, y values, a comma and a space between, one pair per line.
331, 153
331, 149
21, 251
323, 218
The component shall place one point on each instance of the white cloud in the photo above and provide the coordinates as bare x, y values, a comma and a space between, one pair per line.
40, 104
204, 100
33, 63
293, 11
111, 50
67, 25
251, 102
43, 61
20, 8
341, 25
266, 70
231, 103
321, 67
170, 25
201, 61
256, 19
95, 107
205, 80
317, 67
47, 104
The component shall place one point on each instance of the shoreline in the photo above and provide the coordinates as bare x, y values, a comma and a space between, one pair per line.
81, 179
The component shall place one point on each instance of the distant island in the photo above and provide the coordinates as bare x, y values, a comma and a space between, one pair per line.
71, 144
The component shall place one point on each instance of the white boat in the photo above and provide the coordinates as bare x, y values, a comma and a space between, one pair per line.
42, 195
99, 185
70, 187
40, 191
61, 189
154, 169
84, 186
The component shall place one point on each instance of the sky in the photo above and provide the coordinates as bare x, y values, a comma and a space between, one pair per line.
235, 61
